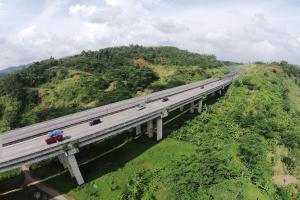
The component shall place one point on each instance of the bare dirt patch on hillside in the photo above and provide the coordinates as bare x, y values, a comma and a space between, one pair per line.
284, 180
281, 174
140, 62
278, 70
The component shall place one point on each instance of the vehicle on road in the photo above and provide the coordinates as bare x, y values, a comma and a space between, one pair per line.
95, 122
55, 136
202, 86
141, 106
148, 100
165, 99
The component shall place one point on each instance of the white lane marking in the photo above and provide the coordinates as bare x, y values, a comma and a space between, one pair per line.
108, 121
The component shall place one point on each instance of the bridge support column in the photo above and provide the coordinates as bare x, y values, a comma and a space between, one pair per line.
192, 107
62, 160
200, 106
159, 127
72, 165
181, 108
0, 145
150, 128
138, 129
220, 92
205, 106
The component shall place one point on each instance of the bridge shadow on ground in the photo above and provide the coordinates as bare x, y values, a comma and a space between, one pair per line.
110, 155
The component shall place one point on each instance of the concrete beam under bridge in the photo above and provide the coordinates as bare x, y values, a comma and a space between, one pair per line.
138, 129
68, 160
192, 109
220, 92
181, 108
159, 128
0, 145
200, 106
150, 128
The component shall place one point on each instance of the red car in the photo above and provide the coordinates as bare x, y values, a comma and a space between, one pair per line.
55, 136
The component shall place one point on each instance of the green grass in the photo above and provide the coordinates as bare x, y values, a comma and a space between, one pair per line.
11, 173
117, 168
294, 93
220, 154
215, 138
108, 155
172, 76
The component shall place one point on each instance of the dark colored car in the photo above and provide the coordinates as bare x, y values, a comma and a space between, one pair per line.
141, 106
165, 99
95, 122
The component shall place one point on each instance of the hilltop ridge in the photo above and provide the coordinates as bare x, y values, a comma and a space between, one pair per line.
56, 87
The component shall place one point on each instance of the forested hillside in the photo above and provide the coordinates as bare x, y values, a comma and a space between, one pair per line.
56, 87
10, 70
244, 146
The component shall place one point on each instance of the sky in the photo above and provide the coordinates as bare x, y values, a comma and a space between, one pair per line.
236, 30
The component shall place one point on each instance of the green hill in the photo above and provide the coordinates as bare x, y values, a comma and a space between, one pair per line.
56, 87
244, 146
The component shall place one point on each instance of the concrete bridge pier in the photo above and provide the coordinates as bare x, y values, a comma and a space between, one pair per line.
200, 106
192, 109
138, 129
62, 160
0, 145
220, 92
181, 108
159, 128
205, 106
150, 128
68, 160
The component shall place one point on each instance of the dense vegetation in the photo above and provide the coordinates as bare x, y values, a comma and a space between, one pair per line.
56, 87
10, 70
245, 146
290, 69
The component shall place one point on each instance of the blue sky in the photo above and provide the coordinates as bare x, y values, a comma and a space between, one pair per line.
235, 30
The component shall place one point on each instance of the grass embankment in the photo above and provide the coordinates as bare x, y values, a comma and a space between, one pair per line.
231, 151
61, 93
108, 156
225, 153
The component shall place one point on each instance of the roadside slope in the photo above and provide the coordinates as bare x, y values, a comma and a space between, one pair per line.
230, 151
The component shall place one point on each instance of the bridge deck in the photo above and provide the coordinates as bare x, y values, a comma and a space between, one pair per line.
20, 153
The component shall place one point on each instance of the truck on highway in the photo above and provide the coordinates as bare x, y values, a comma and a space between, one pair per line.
55, 136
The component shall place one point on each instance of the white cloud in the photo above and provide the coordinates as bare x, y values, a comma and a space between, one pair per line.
233, 30
91, 32
114, 2
27, 32
263, 48
129, 3
94, 13
170, 27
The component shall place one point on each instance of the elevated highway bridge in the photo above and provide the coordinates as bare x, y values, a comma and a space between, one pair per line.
27, 145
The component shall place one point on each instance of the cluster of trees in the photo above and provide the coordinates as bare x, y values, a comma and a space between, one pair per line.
234, 140
124, 68
118, 56
289, 69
